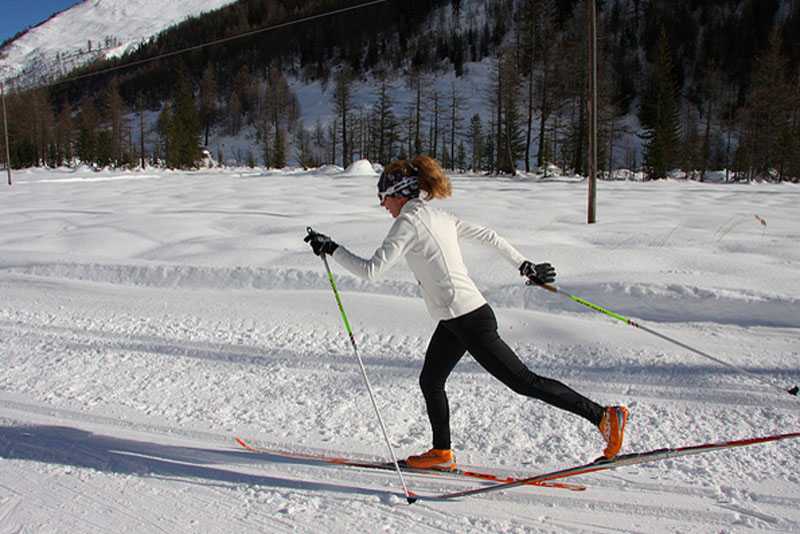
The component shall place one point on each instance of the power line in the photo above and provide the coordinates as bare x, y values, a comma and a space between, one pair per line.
215, 42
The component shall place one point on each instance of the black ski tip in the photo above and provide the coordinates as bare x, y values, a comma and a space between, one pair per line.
794, 391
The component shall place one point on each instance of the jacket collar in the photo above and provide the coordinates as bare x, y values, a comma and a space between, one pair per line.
412, 204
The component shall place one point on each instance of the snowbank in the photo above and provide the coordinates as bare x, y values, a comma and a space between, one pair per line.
362, 167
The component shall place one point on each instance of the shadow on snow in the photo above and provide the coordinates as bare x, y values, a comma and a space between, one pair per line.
69, 446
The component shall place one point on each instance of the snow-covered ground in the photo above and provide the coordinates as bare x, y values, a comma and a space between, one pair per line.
147, 318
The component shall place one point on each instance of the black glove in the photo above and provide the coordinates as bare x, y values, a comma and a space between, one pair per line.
320, 243
538, 273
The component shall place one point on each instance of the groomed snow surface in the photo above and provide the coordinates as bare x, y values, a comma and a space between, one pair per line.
147, 318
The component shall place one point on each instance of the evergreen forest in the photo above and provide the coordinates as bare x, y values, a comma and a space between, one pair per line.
702, 85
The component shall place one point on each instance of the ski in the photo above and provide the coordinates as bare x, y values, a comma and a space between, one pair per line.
605, 465
388, 466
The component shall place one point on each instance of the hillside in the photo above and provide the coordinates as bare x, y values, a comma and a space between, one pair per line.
92, 30
490, 85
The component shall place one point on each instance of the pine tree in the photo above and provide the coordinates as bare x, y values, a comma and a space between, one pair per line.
711, 95
279, 150
489, 155
571, 77
245, 90
304, 150
208, 101
164, 127
87, 131
332, 132
114, 110
384, 120
407, 148
461, 157
44, 123
21, 139
769, 113
221, 155
511, 140
691, 148
277, 113
105, 143
435, 109
184, 127
791, 135
417, 82
234, 115
659, 114
142, 133
343, 104
538, 42
63, 135
476, 141
457, 106
319, 141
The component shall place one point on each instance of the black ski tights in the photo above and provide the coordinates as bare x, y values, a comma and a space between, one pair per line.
476, 332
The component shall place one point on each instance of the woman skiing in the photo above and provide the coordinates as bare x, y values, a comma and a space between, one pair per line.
428, 238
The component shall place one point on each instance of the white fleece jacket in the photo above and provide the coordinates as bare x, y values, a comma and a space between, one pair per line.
428, 238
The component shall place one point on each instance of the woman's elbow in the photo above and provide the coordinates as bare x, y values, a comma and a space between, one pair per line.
372, 273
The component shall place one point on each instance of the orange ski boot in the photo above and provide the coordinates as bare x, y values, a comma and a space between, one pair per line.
612, 427
443, 459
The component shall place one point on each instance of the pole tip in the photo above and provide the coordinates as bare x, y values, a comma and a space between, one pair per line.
411, 500
794, 391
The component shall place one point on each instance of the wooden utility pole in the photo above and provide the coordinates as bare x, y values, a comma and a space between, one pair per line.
5, 130
591, 97
141, 131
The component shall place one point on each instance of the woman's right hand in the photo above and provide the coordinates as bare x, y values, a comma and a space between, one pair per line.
320, 243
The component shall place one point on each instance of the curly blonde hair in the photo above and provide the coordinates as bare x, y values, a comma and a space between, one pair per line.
432, 179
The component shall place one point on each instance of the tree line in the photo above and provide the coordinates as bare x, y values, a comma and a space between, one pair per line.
698, 95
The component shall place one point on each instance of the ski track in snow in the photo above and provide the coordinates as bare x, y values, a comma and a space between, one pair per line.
144, 323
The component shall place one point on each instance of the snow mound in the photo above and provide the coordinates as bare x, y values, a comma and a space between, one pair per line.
175, 276
329, 170
664, 303
648, 302
362, 167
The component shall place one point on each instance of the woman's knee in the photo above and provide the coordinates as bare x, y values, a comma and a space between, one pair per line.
525, 383
430, 383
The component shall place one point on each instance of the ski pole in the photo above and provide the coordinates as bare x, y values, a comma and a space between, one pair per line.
410, 497
553, 289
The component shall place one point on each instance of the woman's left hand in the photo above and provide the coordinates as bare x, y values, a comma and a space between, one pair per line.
539, 273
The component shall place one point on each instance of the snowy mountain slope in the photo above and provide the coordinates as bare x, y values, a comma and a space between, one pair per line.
112, 26
146, 318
